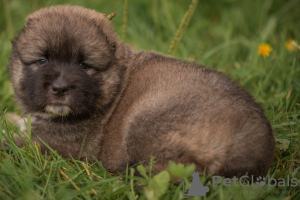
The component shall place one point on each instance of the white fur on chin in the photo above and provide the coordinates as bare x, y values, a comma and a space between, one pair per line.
60, 110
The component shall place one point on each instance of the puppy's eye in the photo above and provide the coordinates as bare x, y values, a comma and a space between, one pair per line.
84, 65
41, 61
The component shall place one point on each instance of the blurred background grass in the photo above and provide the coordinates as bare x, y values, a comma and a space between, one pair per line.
223, 34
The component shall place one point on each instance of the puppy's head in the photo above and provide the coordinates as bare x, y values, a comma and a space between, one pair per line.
67, 61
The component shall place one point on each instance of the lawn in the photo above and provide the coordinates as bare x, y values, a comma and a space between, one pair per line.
225, 35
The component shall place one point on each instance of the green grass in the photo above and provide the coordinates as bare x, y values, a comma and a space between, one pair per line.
222, 34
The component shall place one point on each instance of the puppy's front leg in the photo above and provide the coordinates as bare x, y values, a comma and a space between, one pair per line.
22, 124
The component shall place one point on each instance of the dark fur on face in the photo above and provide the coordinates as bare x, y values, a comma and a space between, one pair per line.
72, 73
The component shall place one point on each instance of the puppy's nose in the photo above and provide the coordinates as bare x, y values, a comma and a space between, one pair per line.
59, 87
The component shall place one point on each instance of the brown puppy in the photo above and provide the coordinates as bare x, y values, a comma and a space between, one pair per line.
75, 77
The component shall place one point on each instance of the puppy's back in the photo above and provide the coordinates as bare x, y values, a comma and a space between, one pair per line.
176, 110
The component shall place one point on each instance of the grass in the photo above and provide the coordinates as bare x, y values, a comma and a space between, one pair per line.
224, 35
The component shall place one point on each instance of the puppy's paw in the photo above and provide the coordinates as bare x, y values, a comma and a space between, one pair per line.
22, 124
17, 121
13, 118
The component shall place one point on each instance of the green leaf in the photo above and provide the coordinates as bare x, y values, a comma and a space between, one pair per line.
141, 169
179, 171
158, 185
282, 144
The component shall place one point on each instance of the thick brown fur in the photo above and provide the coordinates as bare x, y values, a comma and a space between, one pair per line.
75, 77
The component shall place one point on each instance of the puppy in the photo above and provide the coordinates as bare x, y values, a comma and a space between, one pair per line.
85, 88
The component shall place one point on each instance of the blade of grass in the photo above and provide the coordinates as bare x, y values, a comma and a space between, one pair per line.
182, 27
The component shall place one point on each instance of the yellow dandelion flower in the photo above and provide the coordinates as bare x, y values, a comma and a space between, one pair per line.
292, 45
264, 49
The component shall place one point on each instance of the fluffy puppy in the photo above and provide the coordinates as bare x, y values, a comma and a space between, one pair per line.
83, 86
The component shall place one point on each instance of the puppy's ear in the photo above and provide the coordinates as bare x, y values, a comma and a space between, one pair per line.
28, 22
116, 45
30, 19
35, 16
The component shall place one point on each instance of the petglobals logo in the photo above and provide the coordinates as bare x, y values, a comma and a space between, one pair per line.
197, 188
247, 181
